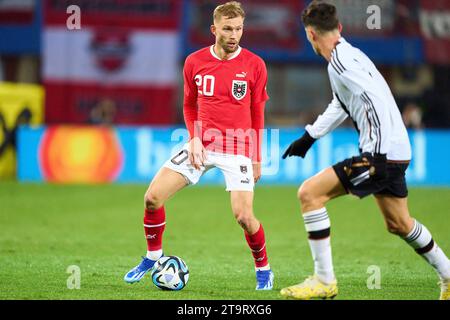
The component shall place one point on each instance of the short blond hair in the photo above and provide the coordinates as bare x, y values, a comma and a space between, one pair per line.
232, 9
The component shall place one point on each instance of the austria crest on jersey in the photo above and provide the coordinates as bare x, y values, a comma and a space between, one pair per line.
239, 89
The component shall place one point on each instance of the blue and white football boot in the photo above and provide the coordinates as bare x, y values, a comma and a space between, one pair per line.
138, 272
264, 280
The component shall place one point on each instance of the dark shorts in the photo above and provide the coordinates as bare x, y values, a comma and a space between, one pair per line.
354, 174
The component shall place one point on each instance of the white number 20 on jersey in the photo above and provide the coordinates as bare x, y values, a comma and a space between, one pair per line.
206, 83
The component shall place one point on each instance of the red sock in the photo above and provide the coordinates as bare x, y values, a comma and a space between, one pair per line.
257, 244
154, 225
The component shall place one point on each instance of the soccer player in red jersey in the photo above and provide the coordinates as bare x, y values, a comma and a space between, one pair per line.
224, 99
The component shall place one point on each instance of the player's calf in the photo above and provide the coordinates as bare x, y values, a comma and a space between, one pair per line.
420, 239
318, 226
242, 206
154, 226
257, 244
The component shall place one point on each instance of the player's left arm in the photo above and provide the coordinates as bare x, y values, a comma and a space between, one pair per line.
257, 113
258, 102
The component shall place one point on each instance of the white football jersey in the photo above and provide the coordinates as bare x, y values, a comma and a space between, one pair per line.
361, 93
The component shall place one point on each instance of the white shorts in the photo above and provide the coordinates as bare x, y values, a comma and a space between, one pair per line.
237, 169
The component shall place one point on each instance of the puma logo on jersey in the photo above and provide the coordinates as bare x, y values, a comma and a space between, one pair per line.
151, 236
241, 75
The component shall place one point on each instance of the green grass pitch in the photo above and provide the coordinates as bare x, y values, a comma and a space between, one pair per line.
47, 228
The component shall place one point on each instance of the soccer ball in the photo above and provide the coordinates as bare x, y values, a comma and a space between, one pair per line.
170, 273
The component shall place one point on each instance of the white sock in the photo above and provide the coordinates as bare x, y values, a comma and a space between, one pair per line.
323, 264
439, 261
154, 255
317, 224
421, 240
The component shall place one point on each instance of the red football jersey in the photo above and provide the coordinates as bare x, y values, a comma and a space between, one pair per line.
220, 94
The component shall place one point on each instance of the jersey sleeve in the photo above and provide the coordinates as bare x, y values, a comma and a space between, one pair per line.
257, 113
259, 90
333, 116
190, 97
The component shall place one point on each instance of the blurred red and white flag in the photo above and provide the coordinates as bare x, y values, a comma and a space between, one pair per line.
434, 18
121, 62
16, 11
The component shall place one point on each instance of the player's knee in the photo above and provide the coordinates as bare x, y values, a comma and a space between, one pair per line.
152, 201
305, 194
399, 228
310, 197
244, 218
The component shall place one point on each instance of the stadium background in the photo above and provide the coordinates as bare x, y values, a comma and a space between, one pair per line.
91, 107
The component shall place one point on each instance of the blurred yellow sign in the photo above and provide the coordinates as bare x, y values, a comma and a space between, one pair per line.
19, 104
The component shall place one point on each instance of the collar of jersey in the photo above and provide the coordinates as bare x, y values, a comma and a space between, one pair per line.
341, 40
238, 51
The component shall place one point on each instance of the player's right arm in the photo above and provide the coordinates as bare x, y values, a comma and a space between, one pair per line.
190, 97
197, 152
333, 116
